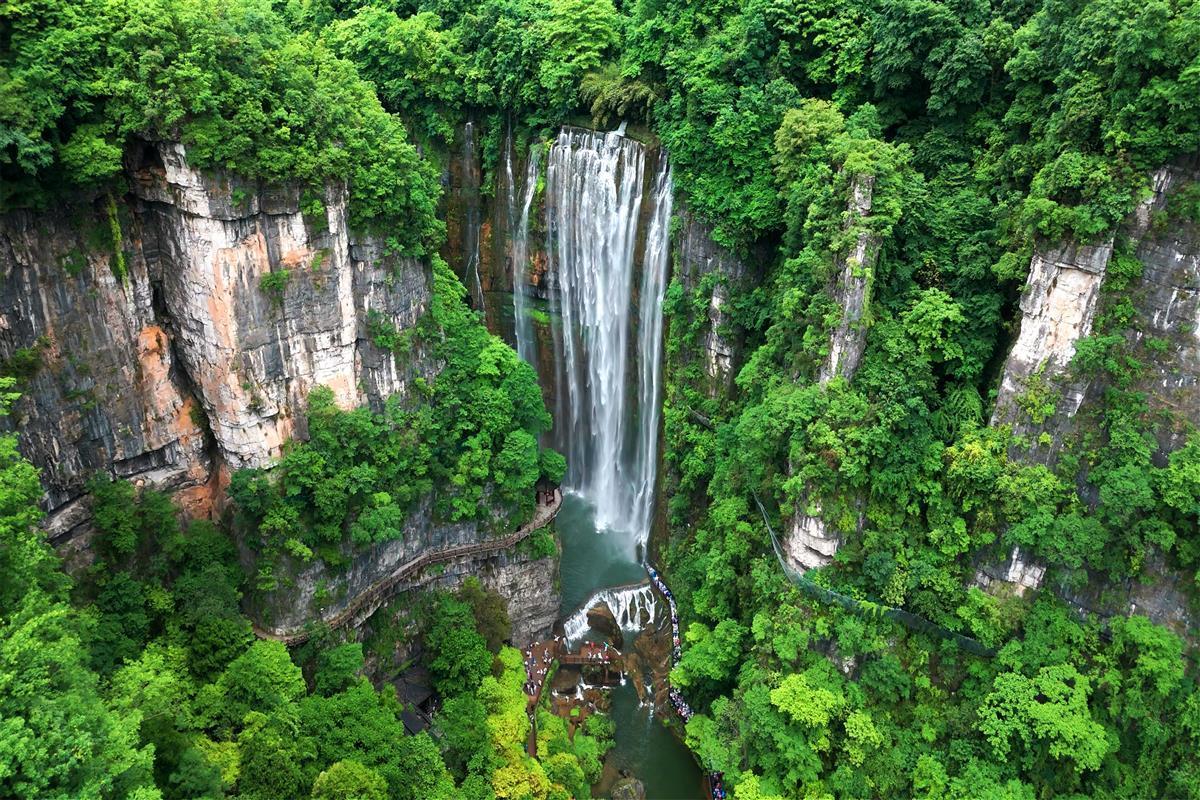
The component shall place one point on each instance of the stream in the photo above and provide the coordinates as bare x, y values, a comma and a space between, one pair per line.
594, 560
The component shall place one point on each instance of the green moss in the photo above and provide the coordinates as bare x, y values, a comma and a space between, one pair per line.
25, 362
274, 284
312, 208
116, 240
384, 334
73, 263
319, 259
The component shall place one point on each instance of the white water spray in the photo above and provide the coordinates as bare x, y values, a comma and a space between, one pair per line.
633, 607
650, 336
472, 222
520, 250
594, 187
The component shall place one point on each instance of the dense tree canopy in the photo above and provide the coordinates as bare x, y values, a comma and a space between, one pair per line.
982, 130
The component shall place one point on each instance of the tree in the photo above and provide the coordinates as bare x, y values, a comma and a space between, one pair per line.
338, 668
276, 757
262, 679
1046, 715
460, 656
349, 780
490, 611
465, 739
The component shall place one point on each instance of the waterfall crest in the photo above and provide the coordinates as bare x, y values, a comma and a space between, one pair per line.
632, 607
594, 195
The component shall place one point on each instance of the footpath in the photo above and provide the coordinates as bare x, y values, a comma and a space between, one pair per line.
716, 785
377, 593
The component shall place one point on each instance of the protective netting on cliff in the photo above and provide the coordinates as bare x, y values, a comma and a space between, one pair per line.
867, 607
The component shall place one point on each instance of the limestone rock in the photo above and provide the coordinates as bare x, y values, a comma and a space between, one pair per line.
1057, 310
161, 357
103, 390
254, 355
628, 788
698, 256
851, 288
809, 542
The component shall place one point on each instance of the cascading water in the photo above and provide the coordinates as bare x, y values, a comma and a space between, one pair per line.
632, 607
594, 187
520, 249
471, 224
608, 349
650, 335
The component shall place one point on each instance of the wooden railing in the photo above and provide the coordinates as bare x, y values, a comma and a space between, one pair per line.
369, 601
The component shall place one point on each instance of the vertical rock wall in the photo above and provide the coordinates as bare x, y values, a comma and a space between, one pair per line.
1041, 396
852, 287
102, 388
699, 260
1057, 309
253, 353
1167, 299
809, 542
190, 361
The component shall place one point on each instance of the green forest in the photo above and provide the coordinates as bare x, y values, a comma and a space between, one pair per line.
988, 132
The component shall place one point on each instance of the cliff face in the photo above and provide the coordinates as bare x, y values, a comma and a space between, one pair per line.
1040, 393
699, 261
851, 289
190, 363
101, 384
1167, 299
180, 342
810, 542
316, 592
1043, 397
1057, 309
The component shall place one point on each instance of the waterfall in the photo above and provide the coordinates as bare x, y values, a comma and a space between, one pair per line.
520, 250
650, 335
594, 189
472, 222
629, 606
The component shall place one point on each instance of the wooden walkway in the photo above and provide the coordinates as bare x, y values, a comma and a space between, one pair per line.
369, 601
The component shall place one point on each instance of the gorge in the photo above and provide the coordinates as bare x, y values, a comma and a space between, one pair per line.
548, 399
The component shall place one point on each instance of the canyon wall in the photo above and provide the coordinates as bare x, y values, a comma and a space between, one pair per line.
172, 335
810, 542
703, 265
151, 343
1047, 400
313, 592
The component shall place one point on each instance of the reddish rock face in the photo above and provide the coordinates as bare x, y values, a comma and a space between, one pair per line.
176, 360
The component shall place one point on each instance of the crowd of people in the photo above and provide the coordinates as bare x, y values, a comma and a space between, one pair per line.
599, 653
537, 664
715, 779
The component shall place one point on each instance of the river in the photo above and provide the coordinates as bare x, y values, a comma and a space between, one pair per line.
594, 560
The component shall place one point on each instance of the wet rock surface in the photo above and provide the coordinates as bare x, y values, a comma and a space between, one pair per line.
628, 788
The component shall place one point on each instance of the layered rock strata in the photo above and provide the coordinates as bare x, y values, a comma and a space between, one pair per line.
176, 331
